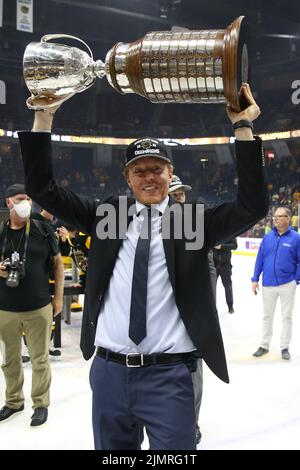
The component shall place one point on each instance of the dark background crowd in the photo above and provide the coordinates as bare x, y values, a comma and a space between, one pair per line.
83, 170
274, 53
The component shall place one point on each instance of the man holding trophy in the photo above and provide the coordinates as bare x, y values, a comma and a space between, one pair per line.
149, 309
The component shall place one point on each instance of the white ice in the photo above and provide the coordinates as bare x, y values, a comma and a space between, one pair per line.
259, 409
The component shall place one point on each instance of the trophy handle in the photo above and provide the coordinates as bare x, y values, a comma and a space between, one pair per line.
48, 37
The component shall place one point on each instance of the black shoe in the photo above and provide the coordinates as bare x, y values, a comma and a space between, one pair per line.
230, 310
54, 352
39, 416
285, 354
260, 352
198, 435
7, 412
25, 359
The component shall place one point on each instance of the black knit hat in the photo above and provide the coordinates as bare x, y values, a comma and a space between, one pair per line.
147, 147
15, 189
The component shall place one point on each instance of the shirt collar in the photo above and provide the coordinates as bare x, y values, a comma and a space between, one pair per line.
159, 207
287, 230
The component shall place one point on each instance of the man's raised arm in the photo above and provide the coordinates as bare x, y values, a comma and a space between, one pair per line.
40, 184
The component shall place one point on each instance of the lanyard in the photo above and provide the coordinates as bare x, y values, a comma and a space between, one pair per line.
20, 241
26, 241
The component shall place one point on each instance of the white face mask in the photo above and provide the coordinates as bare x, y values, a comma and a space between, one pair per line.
23, 209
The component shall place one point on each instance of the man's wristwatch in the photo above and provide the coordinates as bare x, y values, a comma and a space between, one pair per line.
243, 123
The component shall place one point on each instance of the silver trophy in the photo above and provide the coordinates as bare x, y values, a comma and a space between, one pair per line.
55, 72
164, 67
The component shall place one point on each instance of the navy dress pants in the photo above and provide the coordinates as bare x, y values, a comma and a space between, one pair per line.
126, 400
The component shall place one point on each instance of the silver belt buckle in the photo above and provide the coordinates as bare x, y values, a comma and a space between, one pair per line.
134, 354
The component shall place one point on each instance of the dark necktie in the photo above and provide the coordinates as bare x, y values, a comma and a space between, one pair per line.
137, 323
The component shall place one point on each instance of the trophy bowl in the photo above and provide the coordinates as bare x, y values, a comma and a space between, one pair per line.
55, 72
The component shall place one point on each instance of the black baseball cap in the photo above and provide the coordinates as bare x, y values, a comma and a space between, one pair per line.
147, 147
15, 189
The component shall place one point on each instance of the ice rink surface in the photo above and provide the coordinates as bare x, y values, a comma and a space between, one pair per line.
259, 409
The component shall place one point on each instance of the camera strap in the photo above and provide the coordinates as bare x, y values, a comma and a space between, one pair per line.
16, 250
1, 229
45, 232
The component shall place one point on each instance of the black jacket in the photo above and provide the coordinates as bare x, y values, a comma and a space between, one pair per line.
188, 270
222, 256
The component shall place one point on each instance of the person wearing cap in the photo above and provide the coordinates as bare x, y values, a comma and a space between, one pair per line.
177, 191
25, 304
148, 304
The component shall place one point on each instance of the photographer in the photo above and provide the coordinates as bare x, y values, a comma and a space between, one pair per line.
26, 249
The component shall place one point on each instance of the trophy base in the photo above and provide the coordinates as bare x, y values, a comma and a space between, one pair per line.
236, 64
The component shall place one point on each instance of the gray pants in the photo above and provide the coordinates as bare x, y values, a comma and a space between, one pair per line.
197, 376
286, 293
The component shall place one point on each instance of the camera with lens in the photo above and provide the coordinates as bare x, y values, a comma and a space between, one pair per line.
16, 270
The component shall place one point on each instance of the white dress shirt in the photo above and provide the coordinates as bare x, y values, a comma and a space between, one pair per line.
165, 329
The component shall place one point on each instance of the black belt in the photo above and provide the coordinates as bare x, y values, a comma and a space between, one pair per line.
141, 360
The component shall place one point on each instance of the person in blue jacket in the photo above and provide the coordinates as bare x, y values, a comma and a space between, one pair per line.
279, 260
